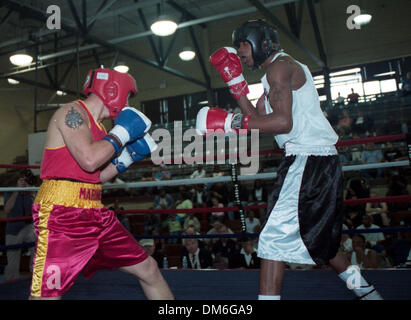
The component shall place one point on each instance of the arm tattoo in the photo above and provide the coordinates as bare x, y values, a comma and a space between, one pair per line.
275, 92
73, 119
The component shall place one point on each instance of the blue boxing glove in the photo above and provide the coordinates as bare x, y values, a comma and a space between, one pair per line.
129, 125
134, 152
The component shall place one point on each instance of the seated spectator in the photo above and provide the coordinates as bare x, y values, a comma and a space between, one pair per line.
346, 241
160, 173
362, 125
259, 196
243, 194
220, 191
373, 240
406, 85
193, 222
192, 231
378, 211
400, 251
225, 246
356, 152
198, 173
353, 97
162, 200
345, 121
217, 225
339, 101
150, 249
200, 196
361, 256
246, 258
344, 155
197, 258
216, 215
397, 186
183, 202
251, 222
174, 227
392, 153
357, 188
371, 154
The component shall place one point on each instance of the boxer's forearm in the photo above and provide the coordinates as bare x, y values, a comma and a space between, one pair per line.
246, 106
108, 173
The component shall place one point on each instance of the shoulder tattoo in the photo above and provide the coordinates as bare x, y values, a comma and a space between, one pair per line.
73, 120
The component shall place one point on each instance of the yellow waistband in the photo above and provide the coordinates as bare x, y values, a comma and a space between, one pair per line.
69, 194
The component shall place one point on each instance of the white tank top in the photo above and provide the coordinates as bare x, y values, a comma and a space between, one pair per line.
311, 133
354, 259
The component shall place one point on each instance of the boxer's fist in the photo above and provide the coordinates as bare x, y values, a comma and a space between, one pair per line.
211, 119
134, 152
228, 64
129, 125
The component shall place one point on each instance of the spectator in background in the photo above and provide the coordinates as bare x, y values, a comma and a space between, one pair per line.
391, 126
361, 256
150, 249
353, 97
174, 227
345, 122
246, 258
197, 258
161, 173
346, 241
357, 188
198, 173
406, 85
200, 196
193, 222
371, 154
216, 215
251, 222
226, 247
397, 186
344, 155
339, 101
378, 211
183, 202
373, 240
217, 225
362, 125
259, 196
162, 200
18, 204
392, 153
220, 191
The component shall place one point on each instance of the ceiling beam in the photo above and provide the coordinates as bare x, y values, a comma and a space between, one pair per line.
277, 23
41, 16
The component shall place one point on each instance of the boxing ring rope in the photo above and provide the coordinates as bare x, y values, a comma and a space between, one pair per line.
227, 179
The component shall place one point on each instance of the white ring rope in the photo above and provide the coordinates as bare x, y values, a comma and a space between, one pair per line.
227, 179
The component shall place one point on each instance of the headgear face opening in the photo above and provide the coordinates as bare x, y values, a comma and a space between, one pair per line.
112, 87
261, 36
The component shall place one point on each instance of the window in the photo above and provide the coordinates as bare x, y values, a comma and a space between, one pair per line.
256, 90
372, 87
389, 85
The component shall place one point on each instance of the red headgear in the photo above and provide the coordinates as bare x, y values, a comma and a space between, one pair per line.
112, 87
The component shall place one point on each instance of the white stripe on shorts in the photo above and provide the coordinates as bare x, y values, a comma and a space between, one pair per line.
280, 240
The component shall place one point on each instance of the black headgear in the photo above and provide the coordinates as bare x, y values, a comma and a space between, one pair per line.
261, 36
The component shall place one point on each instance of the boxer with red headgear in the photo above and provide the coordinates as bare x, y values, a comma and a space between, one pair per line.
75, 232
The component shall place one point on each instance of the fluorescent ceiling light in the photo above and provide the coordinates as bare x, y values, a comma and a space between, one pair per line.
384, 74
121, 67
163, 27
12, 81
61, 93
348, 71
21, 59
187, 54
363, 18
203, 102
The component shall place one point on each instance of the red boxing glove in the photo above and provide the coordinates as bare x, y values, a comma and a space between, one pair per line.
228, 64
211, 119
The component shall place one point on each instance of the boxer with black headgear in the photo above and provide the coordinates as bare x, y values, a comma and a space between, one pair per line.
304, 221
75, 232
